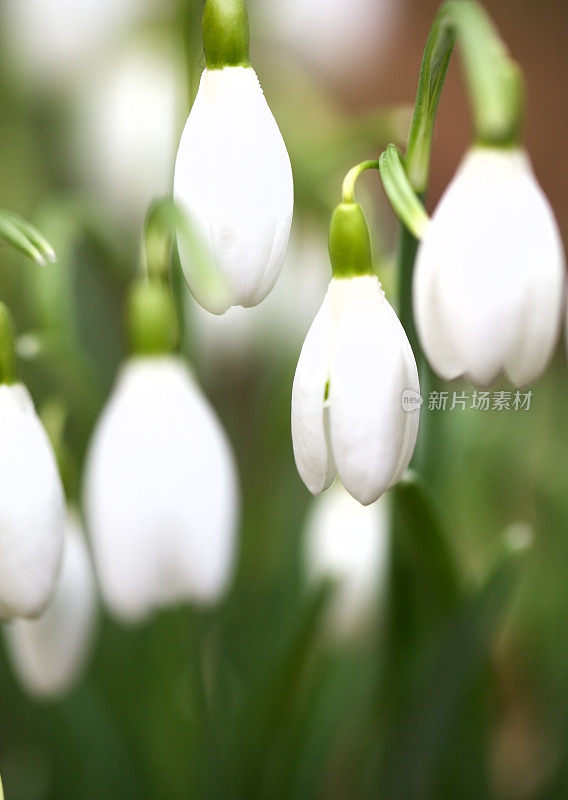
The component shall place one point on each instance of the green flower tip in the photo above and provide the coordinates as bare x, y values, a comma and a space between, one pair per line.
151, 319
350, 242
226, 34
7, 346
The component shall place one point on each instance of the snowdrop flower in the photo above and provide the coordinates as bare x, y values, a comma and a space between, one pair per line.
32, 508
48, 653
347, 543
232, 176
355, 365
160, 492
489, 277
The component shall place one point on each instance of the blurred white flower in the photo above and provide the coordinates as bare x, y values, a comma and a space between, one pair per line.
337, 38
347, 410
32, 508
280, 321
347, 543
489, 277
51, 39
234, 180
126, 126
48, 653
161, 497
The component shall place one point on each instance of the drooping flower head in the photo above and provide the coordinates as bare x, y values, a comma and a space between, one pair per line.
32, 507
160, 491
355, 365
49, 652
488, 287
233, 176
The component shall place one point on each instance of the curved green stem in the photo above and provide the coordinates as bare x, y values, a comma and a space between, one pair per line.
348, 189
494, 81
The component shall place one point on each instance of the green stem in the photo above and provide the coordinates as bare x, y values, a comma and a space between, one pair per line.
7, 346
494, 81
226, 34
348, 190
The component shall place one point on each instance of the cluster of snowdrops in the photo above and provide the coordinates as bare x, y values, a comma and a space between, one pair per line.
160, 488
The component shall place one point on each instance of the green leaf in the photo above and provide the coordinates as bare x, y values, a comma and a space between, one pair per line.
404, 200
411, 762
22, 236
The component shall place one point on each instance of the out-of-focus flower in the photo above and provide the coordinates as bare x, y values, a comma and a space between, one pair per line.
489, 277
126, 127
337, 38
32, 506
234, 180
48, 653
347, 543
161, 495
51, 39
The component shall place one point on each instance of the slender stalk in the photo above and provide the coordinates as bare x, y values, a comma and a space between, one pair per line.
348, 189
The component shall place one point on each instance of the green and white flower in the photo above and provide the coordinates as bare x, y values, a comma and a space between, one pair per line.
489, 278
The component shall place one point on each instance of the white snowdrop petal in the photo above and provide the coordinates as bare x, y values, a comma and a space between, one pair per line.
435, 337
160, 492
490, 240
48, 653
347, 543
32, 508
310, 417
542, 309
371, 435
234, 179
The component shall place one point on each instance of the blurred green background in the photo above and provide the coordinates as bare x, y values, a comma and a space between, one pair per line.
458, 688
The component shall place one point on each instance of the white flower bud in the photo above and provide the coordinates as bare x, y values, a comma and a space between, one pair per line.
234, 180
48, 653
347, 398
32, 508
347, 543
161, 495
488, 285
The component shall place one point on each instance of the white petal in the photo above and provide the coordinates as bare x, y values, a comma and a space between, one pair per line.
310, 415
234, 179
48, 653
492, 239
347, 543
372, 436
32, 508
160, 492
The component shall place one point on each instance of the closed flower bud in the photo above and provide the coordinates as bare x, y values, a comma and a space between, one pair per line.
160, 492
347, 398
347, 543
48, 653
32, 508
488, 285
234, 181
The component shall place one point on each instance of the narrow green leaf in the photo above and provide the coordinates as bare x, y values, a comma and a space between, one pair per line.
25, 238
